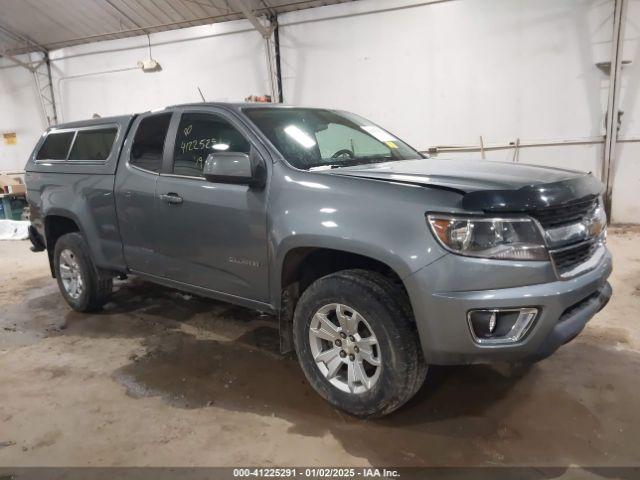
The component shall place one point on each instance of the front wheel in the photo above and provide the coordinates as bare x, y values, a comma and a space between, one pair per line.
356, 343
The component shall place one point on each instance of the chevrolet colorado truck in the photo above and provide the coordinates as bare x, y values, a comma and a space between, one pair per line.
376, 260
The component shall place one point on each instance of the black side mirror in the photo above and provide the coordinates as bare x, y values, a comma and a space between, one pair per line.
235, 167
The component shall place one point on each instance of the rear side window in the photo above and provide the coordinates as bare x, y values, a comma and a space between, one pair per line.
148, 143
55, 146
93, 144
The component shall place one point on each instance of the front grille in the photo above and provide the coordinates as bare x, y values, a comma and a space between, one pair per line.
553, 217
568, 258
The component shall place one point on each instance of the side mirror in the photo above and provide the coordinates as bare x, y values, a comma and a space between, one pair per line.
235, 167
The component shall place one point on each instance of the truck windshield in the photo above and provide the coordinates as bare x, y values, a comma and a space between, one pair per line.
315, 139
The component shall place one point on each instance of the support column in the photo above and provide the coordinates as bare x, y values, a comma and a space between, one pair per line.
611, 136
273, 60
44, 85
41, 71
276, 46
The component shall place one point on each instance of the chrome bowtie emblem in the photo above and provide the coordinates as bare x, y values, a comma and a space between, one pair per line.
591, 226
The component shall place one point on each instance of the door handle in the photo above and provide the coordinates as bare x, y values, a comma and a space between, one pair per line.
171, 198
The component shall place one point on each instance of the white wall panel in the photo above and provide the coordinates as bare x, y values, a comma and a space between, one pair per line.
227, 61
435, 73
447, 72
20, 112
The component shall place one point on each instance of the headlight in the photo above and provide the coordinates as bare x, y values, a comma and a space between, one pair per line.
499, 238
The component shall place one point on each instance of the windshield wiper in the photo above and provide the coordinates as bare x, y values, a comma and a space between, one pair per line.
325, 166
350, 163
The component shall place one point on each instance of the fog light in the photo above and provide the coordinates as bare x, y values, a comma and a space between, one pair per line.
500, 326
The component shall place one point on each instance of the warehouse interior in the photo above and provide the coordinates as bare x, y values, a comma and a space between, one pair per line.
478, 60
149, 381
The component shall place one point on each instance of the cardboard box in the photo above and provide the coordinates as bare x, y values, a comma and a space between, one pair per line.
16, 189
7, 181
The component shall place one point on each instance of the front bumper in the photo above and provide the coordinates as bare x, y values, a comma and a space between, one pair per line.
441, 300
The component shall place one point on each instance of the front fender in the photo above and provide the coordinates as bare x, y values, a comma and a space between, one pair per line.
381, 220
389, 257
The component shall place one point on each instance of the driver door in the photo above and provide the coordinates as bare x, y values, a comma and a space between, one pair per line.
214, 235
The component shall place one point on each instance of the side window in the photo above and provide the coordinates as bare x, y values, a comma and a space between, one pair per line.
55, 146
93, 144
199, 134
148, 142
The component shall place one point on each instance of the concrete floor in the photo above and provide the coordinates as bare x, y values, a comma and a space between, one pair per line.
163, 378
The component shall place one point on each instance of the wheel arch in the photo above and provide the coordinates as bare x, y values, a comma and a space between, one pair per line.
327, 255
302, 265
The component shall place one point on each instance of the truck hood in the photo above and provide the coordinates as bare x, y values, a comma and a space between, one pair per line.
464, 175
486, 185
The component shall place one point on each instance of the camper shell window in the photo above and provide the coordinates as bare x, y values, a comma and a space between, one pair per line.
77, 145
56, 146
93, 144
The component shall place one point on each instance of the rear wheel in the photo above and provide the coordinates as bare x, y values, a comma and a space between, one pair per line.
83, 286
357, 344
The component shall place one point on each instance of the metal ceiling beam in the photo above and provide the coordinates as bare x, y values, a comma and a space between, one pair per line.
249, 13
21, 38
20, 63
125, 16
44, 89
129, 32
222, 14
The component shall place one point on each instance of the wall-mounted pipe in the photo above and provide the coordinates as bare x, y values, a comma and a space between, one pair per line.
513, 145
54, 119
434, 150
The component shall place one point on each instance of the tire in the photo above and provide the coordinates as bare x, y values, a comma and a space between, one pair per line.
95, 287
385, 334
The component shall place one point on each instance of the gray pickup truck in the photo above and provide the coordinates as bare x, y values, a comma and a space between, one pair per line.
377, 260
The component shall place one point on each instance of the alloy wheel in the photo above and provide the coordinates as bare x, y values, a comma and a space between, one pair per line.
70, 274
345, 348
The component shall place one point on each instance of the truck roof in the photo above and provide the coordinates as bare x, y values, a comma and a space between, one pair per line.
238, 105
120, 119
